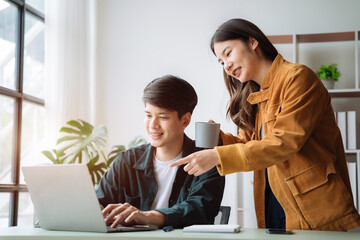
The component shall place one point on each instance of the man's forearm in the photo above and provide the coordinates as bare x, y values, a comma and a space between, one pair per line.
152, 218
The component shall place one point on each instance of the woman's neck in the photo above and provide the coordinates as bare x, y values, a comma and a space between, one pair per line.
264, 67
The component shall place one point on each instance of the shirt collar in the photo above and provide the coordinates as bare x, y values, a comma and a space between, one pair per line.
145, 162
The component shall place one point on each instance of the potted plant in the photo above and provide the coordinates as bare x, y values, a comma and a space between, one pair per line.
84, 143
328, 74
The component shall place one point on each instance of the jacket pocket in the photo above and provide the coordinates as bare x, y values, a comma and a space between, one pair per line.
320, 193
309, 179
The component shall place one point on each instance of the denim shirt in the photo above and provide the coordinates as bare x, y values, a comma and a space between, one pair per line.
131, 179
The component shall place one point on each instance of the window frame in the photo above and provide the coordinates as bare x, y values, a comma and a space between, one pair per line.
15, 187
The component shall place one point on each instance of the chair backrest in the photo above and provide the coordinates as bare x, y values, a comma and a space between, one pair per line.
224, 215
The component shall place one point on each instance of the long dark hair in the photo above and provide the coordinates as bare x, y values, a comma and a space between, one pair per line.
241, 112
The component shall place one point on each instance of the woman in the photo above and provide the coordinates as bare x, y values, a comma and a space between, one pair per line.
287, 135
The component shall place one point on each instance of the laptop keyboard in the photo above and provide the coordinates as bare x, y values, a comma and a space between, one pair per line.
134, 228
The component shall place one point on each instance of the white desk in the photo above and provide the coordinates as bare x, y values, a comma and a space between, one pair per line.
29, 233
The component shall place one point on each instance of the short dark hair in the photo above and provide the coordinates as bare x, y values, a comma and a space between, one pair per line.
172, 93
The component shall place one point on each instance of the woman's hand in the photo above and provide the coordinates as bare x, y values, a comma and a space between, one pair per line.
198, 162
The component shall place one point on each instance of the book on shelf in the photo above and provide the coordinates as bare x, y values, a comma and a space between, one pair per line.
353, 181
346, 122
341, 122
351, 129
358, 179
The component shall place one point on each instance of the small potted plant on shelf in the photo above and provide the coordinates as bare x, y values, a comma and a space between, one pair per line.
328, 75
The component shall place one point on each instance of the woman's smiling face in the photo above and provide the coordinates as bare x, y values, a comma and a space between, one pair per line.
238, 58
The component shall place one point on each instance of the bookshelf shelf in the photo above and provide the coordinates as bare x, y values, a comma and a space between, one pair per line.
312, 38
352, 151
279, 39
326, 37
344, 93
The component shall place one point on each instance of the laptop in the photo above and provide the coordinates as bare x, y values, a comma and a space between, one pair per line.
65, 200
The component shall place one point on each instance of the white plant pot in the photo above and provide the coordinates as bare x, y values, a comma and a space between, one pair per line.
328, 83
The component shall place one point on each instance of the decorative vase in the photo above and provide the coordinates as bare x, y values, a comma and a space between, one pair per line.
328, 83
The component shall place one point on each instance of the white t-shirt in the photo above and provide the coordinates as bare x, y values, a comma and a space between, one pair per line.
164, 176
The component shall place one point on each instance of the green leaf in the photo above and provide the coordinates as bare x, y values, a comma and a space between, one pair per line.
96, 170
49, 155
66, 138
55, 156
93, 160
114, 153
69, 130
117, 150
87, 127
75, 123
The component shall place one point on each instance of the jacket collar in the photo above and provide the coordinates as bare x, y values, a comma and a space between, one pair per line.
264, 94
145, 162
259, 96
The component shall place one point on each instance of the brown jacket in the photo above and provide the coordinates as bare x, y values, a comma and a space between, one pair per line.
301, 148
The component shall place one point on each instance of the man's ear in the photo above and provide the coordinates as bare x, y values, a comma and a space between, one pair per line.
253, 43
185, 119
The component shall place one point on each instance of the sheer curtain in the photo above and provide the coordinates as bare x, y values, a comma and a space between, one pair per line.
69, 62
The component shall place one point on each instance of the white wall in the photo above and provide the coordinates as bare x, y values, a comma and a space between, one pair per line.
139, 40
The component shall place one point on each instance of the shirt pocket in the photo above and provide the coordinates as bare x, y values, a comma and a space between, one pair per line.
133, 200
320, 193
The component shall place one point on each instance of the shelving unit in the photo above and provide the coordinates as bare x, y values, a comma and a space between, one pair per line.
295, 40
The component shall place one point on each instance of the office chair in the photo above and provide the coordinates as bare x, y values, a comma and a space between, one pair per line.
224, 215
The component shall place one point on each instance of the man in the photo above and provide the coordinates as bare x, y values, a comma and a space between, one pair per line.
141, 188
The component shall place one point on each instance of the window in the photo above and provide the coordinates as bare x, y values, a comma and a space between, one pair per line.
22, 88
